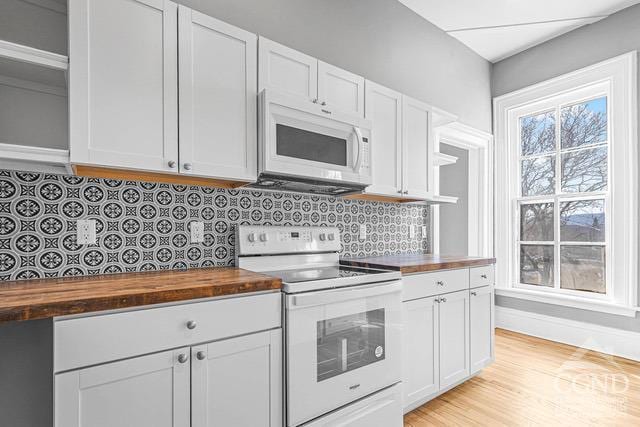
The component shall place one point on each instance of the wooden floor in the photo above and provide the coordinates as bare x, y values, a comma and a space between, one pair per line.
537, 382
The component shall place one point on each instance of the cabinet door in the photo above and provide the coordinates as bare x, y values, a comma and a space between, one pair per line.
287, 70
481, 327
218, 89
454, 337
123, 99
238, 382
340, 89
384, 109
147, 391
417, 165
420, 365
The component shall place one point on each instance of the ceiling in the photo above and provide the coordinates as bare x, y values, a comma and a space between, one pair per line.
497, 29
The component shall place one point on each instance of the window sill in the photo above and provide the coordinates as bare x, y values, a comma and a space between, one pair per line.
569, 301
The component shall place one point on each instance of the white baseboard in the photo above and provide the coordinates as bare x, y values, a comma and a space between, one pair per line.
603, 339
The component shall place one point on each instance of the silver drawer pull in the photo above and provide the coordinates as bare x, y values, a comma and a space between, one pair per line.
191, 324
440, 283
201, 355
484, 276
182, 358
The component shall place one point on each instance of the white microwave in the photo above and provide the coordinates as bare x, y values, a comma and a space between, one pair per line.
304, 146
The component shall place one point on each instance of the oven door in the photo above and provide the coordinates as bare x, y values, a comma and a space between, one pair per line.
301, 139
342, 344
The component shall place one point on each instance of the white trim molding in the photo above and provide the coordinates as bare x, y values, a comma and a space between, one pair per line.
617, 78
480, 186
589, 336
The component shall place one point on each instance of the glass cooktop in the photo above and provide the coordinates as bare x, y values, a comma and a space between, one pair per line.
321, 273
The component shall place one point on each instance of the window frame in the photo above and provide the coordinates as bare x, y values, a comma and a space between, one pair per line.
616, 79
557, 103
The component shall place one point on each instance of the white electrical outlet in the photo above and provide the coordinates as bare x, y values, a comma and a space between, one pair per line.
86, 231
363, 232
197, 232
412, 232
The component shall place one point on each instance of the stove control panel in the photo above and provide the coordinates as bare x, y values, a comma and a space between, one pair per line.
264, 239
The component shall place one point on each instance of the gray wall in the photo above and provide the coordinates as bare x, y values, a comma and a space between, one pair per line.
381, 40
615, 35
454, 219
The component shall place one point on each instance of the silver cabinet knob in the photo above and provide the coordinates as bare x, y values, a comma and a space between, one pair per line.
182, 358
172, 164
437, 300
473, 294
201, 355
405, 192
484, 276
323, 103
188, 166
443, 299
191, 324
440, 283
315, 101
399, 191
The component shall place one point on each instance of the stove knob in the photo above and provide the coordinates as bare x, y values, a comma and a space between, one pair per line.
323, 237
264, 237
251, 237
331, 236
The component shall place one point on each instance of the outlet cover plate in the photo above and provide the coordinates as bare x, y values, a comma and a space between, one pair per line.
86, 231
197, 232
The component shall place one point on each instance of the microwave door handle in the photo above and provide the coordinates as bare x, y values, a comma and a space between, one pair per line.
356, 130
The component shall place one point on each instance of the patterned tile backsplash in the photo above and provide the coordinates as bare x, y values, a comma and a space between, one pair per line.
145, 226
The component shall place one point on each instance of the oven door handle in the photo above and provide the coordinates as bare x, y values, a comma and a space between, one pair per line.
339, 295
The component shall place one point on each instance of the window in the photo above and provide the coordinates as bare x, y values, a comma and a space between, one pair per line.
567, 187
562, 222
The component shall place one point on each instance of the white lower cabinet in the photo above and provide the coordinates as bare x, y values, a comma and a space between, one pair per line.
238, 382
211, 363
454, 337
481, 301
420, 377
150, 390
447, 337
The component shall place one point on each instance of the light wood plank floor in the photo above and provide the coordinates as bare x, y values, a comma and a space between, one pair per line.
537, 382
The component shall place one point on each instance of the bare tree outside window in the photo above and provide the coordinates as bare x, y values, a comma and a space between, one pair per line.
582, 155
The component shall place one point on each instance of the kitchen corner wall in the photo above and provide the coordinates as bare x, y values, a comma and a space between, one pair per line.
144, 226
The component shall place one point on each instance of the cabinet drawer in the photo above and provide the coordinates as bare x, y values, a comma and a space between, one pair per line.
97, 339
481, 276
428, 284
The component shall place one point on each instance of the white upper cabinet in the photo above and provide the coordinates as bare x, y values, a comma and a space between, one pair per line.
454, 337
238, 382
298, 74
418, 148
481, 321
340, 89
384, 109
123, 83
287, 70
218, 89
146, 391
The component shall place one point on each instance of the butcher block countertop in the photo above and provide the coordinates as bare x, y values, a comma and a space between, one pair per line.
417, 263
45, 298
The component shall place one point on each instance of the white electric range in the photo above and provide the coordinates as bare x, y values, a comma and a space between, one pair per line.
343, 327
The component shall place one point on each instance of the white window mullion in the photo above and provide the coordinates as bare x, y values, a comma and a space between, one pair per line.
556, 204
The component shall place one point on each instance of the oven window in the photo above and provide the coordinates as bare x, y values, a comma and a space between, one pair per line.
302, 144
350, 342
